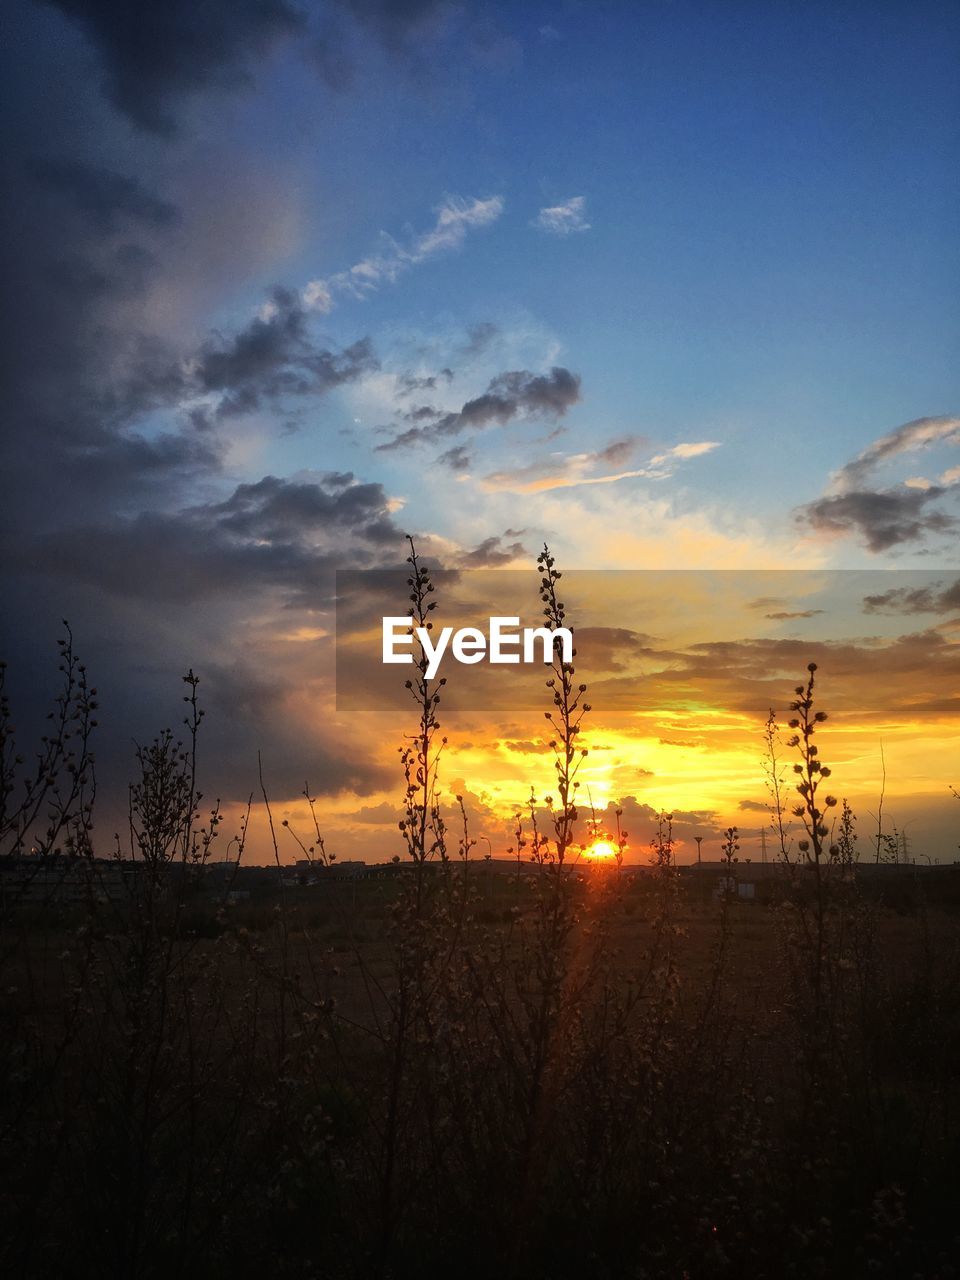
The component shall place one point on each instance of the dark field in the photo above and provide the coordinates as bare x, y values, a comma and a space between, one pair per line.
456, 1073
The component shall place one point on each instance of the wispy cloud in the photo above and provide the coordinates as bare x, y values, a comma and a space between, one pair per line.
888, 517
455, 218
789, 615
564, 219
918, 434
692, 450
570, 470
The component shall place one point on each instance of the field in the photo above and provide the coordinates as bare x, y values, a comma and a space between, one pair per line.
460, 1073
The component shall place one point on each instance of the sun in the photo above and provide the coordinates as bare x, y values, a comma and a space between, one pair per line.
601, 849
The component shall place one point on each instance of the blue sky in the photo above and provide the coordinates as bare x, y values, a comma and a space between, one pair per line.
771, 196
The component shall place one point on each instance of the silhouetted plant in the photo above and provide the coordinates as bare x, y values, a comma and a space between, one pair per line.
569, 709
774, 782
731, 845
845, 849
661, 846
48, 810
421, 757
811, 769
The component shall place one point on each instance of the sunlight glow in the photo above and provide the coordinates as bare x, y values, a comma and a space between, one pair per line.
601, 849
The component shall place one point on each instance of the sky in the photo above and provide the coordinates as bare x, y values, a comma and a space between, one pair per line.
669, 286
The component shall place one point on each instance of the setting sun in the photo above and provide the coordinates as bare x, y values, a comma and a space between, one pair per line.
601, 849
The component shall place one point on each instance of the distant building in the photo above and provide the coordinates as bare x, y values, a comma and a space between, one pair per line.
61, 879
348, 870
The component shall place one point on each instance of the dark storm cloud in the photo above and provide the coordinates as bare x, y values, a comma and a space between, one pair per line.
126, 470
393, 20
106, 198
274, 510
153, 54
273, 357
907, 600
249, 709
273, 535
517, 393
117, 512
883, 519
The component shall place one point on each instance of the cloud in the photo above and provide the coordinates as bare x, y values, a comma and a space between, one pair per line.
121, 404
383, 814
640, 819
907, 600
106, 198
695, 449
275, 535
492, 553
564, 219
455, 218
480, 338
786, 615
153, 55
572, 470
895, 515
522, 746
394, 21
273, 357
407, 383
918, 434
457, 459
906, 678
517, 393
883, 519
611, 649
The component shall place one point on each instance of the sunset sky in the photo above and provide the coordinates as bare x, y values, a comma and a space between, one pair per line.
670, 286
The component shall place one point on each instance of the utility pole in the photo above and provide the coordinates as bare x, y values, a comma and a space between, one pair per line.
763, 845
